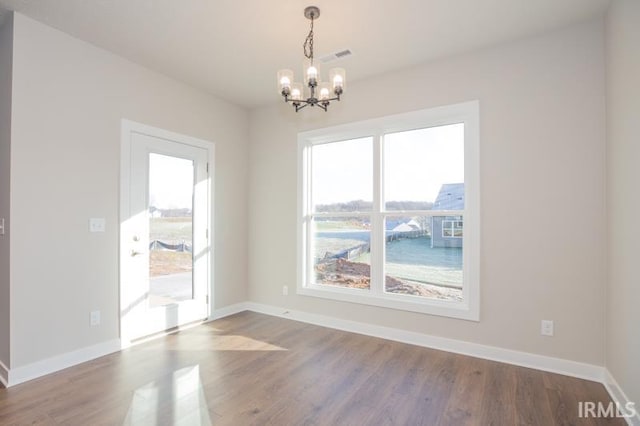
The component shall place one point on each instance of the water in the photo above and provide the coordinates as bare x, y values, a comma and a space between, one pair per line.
418, 251
351, 234
411, 259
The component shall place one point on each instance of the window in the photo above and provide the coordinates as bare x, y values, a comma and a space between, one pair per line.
452, 228
382, 208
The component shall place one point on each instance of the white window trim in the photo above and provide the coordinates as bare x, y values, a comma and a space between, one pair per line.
467, 113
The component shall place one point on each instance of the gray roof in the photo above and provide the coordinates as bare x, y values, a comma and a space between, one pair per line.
450, 197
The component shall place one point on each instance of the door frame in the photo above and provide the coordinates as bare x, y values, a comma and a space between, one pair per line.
128, 128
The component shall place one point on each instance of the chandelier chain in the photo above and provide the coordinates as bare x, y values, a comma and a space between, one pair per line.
308, 43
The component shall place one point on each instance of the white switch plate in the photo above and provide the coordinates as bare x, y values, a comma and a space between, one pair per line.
285, 290
546, 328
95, 318
97, 224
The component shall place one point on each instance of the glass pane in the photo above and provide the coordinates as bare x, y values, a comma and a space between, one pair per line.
419, 261
171, 183
423, 166
342, 176
340, 249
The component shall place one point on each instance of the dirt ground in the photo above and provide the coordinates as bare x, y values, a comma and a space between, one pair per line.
345, 273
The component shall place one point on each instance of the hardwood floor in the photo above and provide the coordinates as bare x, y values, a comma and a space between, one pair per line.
256, 369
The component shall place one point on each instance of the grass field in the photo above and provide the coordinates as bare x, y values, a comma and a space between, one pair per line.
163, 262
170, 230
338, 225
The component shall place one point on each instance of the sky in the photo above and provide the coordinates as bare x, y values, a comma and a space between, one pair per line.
170, 182
416, 164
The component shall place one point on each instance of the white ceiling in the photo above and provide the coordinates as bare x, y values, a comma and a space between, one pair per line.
233, 49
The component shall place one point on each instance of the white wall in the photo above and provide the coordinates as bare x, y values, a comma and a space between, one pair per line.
623, 195
542, 191
68, 100
6, 54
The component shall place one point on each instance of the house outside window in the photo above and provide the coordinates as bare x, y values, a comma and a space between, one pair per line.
447, 231
382, 205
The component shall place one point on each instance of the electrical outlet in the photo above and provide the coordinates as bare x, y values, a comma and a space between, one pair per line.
95, 318
546, 328
285, 290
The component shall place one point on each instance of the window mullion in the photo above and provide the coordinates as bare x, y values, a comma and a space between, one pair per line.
307, 170
377, 220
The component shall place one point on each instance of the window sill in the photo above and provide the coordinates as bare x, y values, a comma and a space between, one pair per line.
458, 310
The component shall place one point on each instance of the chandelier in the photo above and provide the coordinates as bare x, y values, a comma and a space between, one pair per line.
319, 92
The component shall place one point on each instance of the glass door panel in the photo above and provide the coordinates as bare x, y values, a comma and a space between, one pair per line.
171, 183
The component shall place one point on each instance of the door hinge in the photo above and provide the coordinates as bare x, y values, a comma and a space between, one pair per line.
207, 167
207, 298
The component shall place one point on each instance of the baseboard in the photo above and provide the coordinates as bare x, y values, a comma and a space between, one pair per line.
620, 398
60, 362
12, 377
4, 375
227, 311
524, 359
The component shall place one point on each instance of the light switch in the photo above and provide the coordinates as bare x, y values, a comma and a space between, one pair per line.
97, 224
1, 225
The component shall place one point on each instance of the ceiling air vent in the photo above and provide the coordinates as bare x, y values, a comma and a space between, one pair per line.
335, 56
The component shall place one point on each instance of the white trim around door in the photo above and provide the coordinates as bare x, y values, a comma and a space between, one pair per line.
140, 312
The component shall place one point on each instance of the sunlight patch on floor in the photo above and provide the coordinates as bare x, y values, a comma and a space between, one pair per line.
242, 343
177, 399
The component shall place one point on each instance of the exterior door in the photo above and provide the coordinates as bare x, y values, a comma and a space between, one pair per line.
165, 252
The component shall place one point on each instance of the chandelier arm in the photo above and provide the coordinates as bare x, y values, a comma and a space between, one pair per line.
311, 101
299, 107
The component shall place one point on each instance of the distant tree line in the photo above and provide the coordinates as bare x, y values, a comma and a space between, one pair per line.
409, 205
182, 212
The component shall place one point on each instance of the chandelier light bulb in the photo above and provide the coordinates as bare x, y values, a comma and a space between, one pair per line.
285, 79
312, 73
296, 92
324, 93
337, 77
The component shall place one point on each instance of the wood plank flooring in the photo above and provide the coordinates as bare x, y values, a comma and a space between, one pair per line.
253, 369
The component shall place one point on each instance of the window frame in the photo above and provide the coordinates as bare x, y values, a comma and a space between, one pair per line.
469, 307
